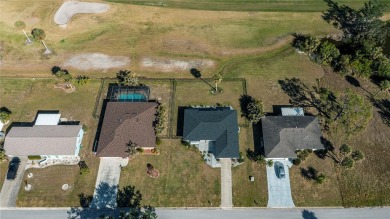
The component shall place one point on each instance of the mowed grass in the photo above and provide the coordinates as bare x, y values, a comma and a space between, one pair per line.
126, 30
184, 181
24, 97
3, 172
238, 5
245, 192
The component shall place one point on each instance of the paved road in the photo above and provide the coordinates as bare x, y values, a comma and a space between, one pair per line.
204, 213
279, 190
10, 189
226, 183
106, 187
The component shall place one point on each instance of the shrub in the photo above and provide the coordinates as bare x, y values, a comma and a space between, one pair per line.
185, 143
82, 79
85, 128
255, 110
4, 115
34, 157
345, 149
303, 154
158, 141
270, 163
347, 162
320, 178
297, 161
357, 155
84, 169
241, 158
155, 151
140, 150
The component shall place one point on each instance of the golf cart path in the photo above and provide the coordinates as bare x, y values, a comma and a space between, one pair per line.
66, 11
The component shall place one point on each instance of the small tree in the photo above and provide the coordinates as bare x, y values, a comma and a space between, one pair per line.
270, 163
20, 25
126, 78
384, 85
84, 169
217, 78
255, 110
40, 35
357, 155
320, 178
345, 149
327, 52
5, 114
131, 148
347, 162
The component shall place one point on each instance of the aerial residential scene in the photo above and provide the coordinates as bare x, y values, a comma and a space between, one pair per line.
226, 109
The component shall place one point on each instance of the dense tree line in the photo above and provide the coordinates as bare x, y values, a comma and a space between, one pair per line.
360, 51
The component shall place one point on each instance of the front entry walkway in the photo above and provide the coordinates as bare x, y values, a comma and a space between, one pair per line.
10, 190
279, 191
226, 183
107, 181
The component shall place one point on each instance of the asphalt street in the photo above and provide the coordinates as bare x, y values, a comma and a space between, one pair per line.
206, 213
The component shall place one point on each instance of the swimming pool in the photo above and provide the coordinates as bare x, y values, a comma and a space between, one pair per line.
132, 97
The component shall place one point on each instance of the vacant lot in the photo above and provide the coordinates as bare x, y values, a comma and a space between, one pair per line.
24, 97
185, 180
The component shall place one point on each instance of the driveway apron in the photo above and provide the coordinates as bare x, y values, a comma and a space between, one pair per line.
279, 190
10, 190
226, 183
107, 181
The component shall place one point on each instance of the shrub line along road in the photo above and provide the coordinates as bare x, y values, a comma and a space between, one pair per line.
210, 213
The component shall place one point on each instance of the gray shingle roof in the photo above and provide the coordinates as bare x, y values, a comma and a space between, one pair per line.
283, 135
124, 122
42, 140
214, 124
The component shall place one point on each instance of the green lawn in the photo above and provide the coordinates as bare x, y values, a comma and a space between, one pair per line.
185, 179
24, 97
239, 5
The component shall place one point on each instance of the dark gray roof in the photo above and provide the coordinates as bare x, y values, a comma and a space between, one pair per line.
283, 135
213, 124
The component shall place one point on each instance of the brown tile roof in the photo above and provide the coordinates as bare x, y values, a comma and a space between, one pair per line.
124, 122
42, 140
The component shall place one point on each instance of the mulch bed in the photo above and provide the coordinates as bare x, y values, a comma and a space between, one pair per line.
67, 87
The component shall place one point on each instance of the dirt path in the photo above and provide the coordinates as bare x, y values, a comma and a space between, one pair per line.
65, 13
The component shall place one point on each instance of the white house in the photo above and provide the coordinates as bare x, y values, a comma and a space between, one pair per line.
47, 138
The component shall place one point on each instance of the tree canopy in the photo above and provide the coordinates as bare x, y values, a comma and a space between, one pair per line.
20, 25
255, 110
38, 34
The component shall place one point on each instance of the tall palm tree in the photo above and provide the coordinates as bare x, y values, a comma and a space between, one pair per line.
217, 78
40, 35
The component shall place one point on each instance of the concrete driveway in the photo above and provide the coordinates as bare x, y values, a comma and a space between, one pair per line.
10, 190
279, 190
106, 187
226, 183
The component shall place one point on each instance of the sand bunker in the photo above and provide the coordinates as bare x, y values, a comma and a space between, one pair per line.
170, 65
68, 9
88, 61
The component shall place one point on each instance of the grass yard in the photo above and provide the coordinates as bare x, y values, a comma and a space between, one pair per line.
24, 97
3, 172
245, 192
185, 180
238, 5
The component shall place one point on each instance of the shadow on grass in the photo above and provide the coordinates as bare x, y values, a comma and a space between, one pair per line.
310, 173
383, 107
306, 214
197, 74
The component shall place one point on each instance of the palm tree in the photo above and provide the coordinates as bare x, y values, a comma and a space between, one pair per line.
217, 78
131, 148
39, 34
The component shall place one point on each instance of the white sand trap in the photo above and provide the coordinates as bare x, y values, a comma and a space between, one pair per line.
68, 9
170, 65
88, 61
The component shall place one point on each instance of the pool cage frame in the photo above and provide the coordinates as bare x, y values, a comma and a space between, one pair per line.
116, 91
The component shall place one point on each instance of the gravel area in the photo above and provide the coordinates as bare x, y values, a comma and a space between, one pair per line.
171, 65
70, 8
88, 61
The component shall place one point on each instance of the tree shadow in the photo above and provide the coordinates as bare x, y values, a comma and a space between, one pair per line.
383, 107
5, 109
180, 120
354, 82
310, 173
129, 197
244, 101
306, 214
258, 138
85, 200
328, 151
197, 74
104, 196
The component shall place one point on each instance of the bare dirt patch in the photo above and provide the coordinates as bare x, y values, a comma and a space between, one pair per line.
70, 8
88, 61
173, 65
